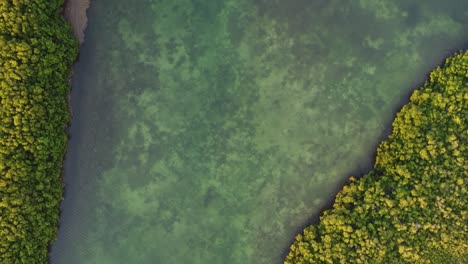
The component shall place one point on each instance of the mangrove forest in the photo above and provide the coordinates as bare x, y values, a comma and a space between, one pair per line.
36, 53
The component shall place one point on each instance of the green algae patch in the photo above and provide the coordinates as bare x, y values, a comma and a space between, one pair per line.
412, 209
36, 52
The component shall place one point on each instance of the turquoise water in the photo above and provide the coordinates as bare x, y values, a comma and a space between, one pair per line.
212, 131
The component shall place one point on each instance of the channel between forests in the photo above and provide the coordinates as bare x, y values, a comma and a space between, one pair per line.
410, 209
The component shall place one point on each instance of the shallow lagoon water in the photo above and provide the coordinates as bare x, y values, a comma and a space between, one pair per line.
212, 131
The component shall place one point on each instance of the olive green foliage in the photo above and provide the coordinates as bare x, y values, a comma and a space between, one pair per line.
412, 208
36, 52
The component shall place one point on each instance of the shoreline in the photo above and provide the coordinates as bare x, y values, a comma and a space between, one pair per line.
74, 12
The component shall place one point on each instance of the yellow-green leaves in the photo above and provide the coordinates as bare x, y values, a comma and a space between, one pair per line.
36, 51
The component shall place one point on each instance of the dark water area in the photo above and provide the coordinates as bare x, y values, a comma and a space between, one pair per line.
214, 131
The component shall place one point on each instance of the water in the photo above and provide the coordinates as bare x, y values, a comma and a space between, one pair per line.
212, 131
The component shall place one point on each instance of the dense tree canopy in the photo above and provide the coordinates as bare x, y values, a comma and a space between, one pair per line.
413, 207
36, 52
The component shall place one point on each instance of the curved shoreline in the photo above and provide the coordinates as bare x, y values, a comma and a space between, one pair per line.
74, 12
344, 225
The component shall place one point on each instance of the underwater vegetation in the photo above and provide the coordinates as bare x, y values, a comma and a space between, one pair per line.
412, 207
36, 52
210, 131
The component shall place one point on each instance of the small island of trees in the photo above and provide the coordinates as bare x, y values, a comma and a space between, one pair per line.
413, 207
37, 49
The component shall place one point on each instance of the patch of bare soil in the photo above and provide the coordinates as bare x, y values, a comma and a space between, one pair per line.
74, 11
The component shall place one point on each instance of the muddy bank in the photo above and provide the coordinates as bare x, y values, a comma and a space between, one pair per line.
74, 11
